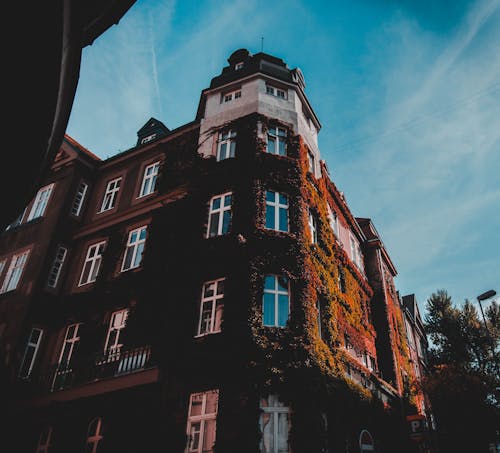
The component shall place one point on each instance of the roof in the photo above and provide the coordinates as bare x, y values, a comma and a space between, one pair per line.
77, 147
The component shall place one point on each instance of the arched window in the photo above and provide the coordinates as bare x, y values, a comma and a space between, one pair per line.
94, 435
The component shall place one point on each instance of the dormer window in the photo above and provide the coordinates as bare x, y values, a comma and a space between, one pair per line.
148, 139
273, 91
239, 65
227, 97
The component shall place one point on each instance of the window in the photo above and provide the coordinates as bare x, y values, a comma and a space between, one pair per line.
227, 97
134, 249
14, 272
219, 217
282, 94
276, 211
211, 307
116, 325
310, 160
227, 145
44, 440
55, 270
356, 252
2, 266
40, 203
333, 219
201, 424
274, 425
94, 435
313, 228
341, 277
276, 141
109, 200
276, 301
92, 263
148, 138
149, 179
76, 208
30, 353
239, 65
70, 345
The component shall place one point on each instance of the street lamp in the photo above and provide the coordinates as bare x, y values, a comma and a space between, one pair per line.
487, 295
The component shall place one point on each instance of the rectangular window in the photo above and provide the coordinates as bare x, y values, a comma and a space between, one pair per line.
282, 94
40, 203
201, 423
2, 266
227, 97
313, 228
274, 425
92, 263
69, 346
227, 145
55, 270
109, 200
276, 301
76, 207
117, 323
220, 215
30, 353
276, 141
341, 277
333, 219
134, 249
319, 318
276, 211
211, 307
149, 179
14, 272
310, 160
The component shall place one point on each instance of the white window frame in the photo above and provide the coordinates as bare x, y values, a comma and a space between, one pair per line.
17, 221
148, 138
57, 265
134, 247
334, 221
2, 266
33, 345
216, 307
149, 179
94, 257
95, 437
227, 140
41, 202
276, 92
76, 208
44, 440
311, 162
201, 420
230, 96
14, 272
278, 207
220, 212
313, 227
117, 323
110, 194
276, 292
69, 342
273, 407
278, 135
239, 65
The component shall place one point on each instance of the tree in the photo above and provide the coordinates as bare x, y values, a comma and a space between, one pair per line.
464, 379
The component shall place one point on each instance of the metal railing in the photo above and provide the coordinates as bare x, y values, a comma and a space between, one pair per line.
112, 363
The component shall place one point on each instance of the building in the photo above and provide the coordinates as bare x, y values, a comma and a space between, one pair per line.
207, 290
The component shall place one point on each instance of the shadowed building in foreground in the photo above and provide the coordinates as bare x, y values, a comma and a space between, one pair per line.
207, 290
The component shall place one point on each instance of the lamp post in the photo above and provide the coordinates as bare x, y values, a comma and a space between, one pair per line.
487, 295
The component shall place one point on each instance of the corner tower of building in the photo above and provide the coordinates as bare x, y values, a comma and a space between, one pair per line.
262, 84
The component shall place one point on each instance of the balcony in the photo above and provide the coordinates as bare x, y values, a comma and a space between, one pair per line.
101, 373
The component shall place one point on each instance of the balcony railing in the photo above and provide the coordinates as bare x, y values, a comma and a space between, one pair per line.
113, 363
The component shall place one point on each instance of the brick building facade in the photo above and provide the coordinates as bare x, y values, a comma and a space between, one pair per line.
207, 290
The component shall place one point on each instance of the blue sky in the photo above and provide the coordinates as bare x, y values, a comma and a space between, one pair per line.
407, 91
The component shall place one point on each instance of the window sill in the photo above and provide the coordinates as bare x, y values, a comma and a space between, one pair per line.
203, 335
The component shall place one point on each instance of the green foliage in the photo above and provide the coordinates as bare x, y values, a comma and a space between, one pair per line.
464, 379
